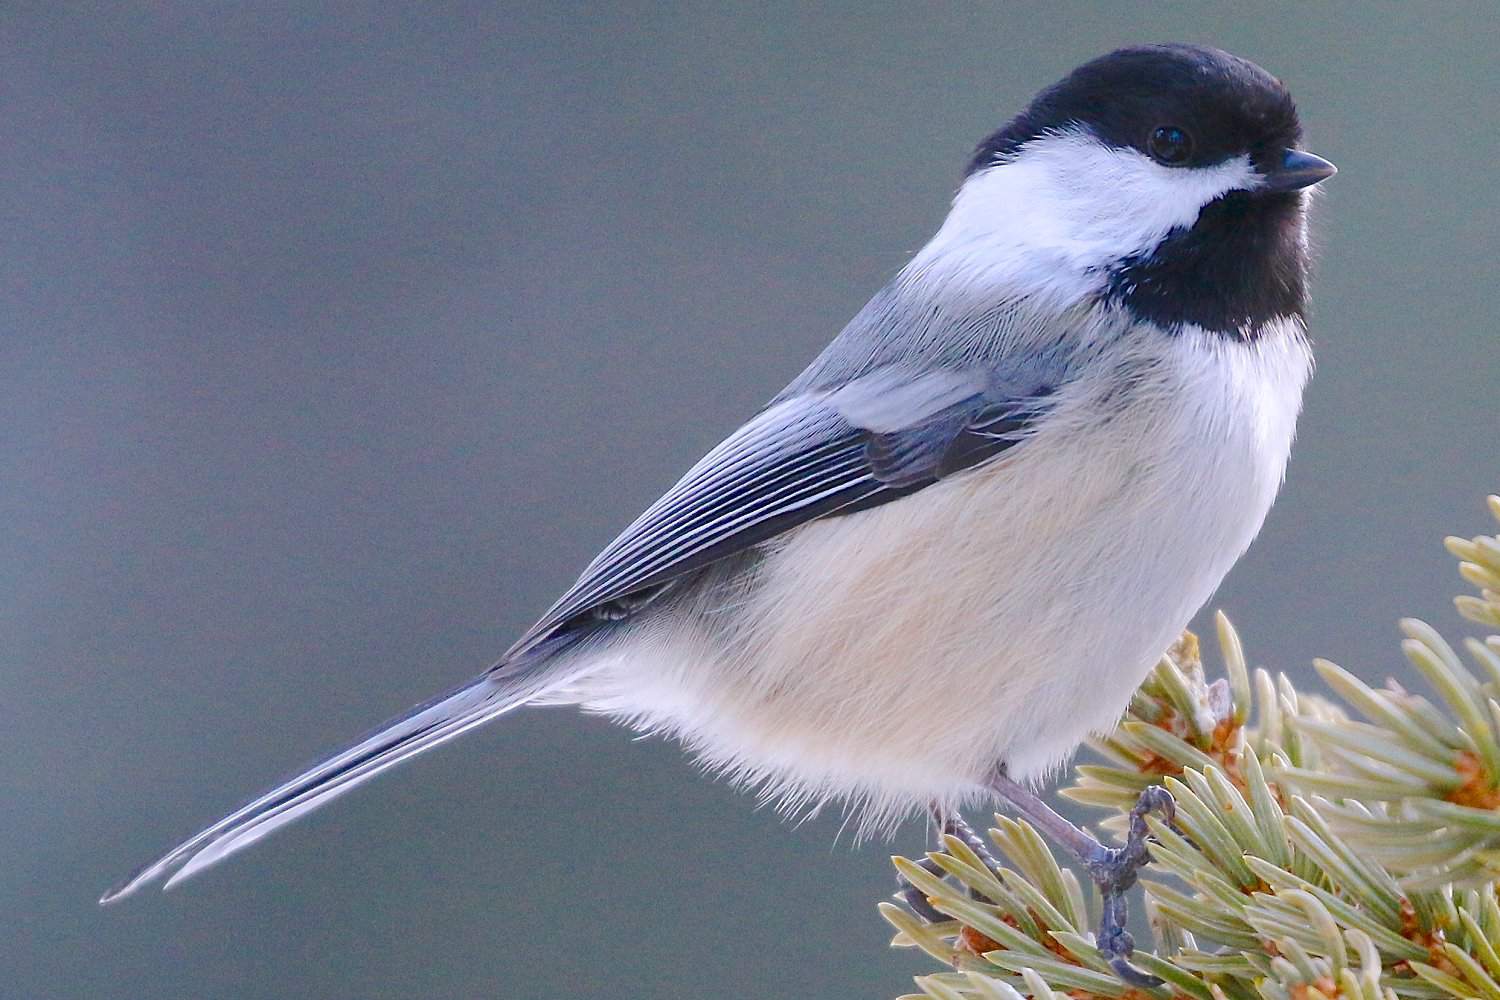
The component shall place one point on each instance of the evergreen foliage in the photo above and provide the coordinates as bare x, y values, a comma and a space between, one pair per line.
1324, 847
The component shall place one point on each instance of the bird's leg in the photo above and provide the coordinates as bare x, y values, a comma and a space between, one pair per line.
952, 825
1113, 869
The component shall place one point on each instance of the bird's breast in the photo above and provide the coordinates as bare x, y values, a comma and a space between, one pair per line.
997, 617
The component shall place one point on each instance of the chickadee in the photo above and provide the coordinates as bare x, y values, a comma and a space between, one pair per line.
954, 545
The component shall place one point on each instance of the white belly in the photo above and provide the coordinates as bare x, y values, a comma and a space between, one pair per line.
899, 655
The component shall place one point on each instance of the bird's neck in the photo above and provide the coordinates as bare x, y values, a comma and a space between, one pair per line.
1239, 271
1022, 230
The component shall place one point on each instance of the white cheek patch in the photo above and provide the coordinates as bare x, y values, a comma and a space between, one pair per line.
1069, 200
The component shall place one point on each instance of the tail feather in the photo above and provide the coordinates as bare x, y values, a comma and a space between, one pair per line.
399, 739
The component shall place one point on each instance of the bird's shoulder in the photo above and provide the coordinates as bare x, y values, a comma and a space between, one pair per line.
820, 453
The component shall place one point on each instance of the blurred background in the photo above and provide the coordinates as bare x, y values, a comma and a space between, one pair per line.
335, 340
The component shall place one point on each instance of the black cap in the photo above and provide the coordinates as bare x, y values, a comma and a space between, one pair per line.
1226, 105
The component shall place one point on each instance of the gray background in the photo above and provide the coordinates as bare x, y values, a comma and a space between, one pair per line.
334, 342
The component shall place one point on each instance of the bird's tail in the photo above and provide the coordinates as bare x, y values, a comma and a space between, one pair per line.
422, 728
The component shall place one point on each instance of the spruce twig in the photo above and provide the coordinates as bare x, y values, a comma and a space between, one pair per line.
1340, 848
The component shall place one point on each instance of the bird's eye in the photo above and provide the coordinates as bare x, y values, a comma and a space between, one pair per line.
1170, 146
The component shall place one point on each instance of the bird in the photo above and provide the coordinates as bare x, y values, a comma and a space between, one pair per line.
952, 547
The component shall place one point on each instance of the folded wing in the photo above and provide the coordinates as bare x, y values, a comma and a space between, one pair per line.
879, 438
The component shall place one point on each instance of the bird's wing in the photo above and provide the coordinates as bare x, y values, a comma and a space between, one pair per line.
878, 438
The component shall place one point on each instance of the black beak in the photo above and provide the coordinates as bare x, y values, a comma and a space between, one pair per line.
1297, 171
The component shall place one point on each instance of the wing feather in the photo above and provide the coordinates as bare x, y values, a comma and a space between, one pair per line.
874, 440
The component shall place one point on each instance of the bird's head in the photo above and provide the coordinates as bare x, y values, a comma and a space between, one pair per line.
1167, 177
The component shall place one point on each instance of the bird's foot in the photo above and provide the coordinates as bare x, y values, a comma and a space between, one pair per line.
916, 898
952, 825
1115, 870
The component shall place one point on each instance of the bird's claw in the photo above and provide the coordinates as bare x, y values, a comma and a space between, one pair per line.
1114, 871
916, 898
1133, 976
952, 825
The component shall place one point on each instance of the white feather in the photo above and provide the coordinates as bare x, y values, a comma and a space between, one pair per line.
1067, 207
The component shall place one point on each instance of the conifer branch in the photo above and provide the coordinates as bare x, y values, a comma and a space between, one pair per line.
1325, 848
